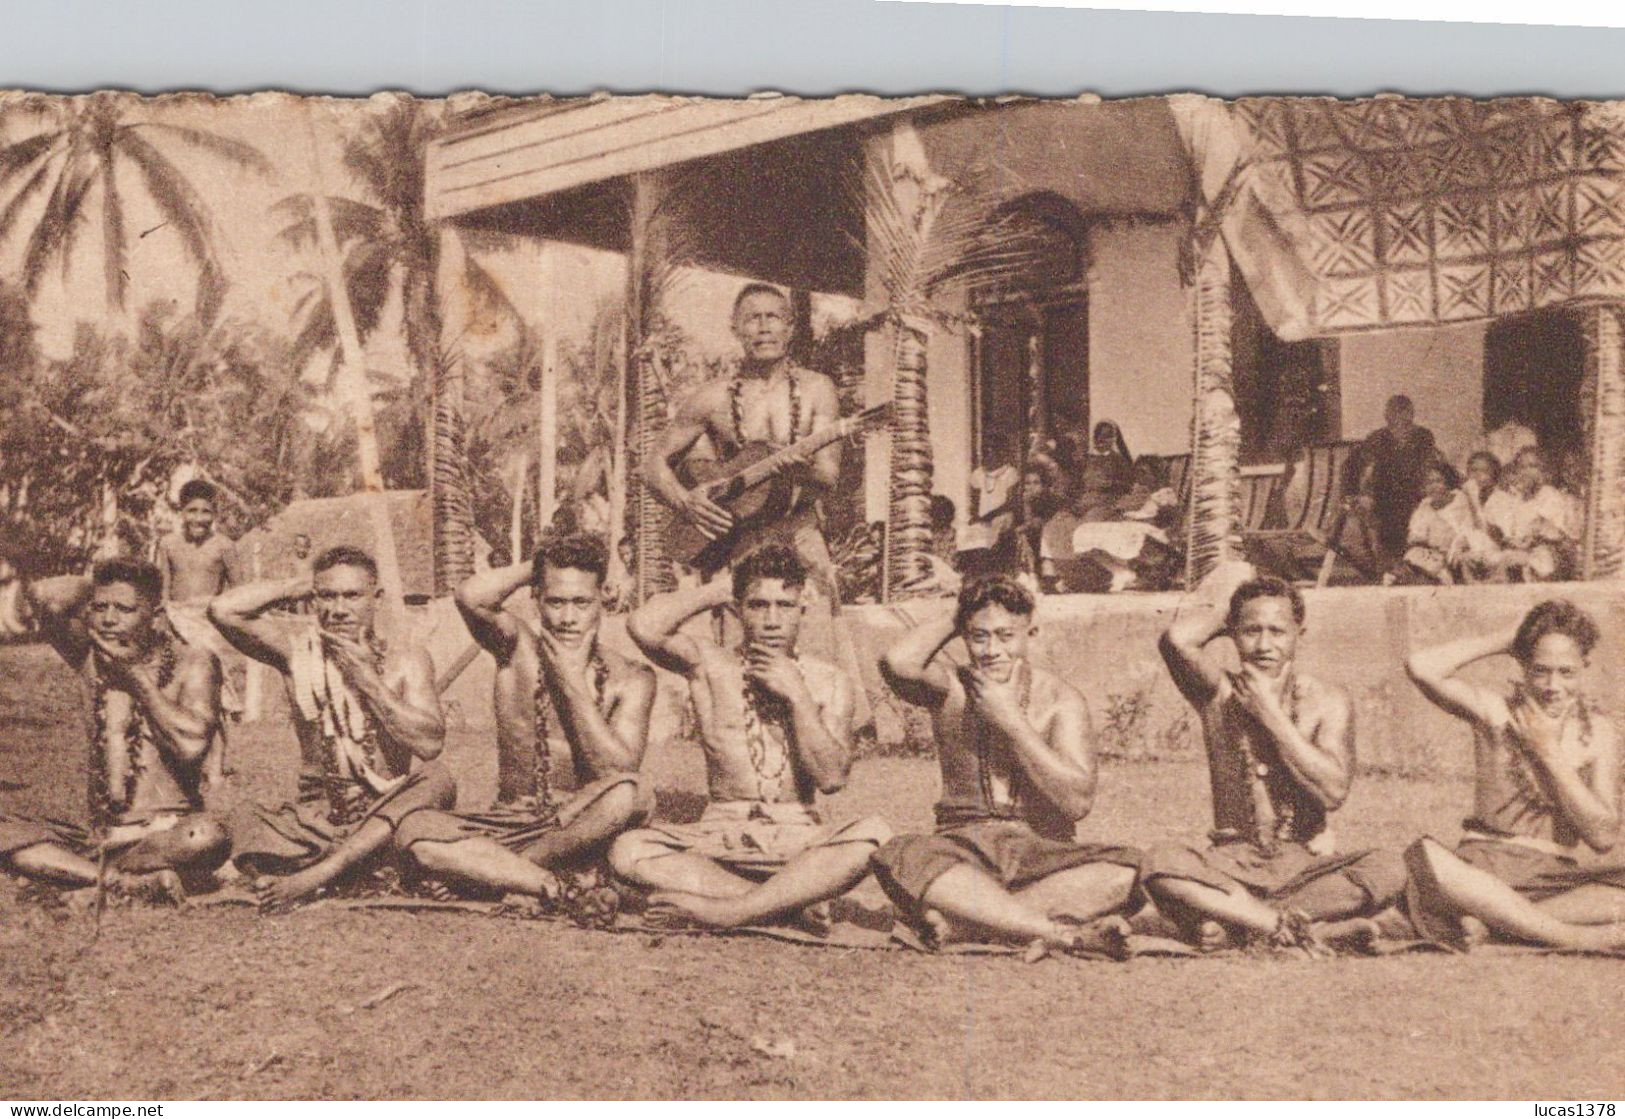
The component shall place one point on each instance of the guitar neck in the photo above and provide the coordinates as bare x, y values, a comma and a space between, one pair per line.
760, 471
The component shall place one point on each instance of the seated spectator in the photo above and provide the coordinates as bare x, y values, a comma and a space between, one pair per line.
1070, 453
1386, 476
1483, 477
1438, 531
1535, 525
1149, 499
1003, 538
1105, 475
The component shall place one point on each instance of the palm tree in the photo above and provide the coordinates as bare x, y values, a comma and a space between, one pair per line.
386, 237
927, 236
78, 154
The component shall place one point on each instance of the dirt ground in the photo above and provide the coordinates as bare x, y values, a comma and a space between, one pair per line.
225, 1004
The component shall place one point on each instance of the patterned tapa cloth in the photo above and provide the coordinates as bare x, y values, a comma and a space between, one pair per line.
1360, 215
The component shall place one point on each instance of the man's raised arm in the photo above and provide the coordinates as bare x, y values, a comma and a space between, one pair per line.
185, 724
411, 715
239, 615
59, 603
1323, 762
654, 625
1184, 650
612, 742
1059, 761
910, 666
479, 600
1434, 669
1587, 795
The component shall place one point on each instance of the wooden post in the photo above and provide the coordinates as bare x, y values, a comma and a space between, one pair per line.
1602, 553
352, 357
1211, 524
547, 420
454, 533
908, 515
516, 510
643, 400
620, 477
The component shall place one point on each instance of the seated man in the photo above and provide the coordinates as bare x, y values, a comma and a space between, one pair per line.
1018, 772
572, 719
777, 729
155, 705
1547, 780
1280, 747
1536, 525
366, 713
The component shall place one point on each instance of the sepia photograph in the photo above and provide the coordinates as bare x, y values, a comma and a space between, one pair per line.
664, 596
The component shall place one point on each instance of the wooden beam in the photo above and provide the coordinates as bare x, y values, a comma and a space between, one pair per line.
594, 139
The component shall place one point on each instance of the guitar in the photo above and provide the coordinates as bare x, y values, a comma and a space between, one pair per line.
748, 485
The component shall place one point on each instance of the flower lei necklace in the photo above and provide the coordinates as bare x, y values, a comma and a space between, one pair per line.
736, 405
547, 722
137, 733
762, 707
1268, 775
348, 797
983, 735
1518, 765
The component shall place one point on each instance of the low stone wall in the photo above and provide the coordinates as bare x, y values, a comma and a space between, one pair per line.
1357, 637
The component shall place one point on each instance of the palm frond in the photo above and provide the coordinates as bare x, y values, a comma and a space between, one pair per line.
930, 236
175, 198
366, 272
352, 220
235, 152
51, 229
386, 154
19, 200
16, 157
316, 329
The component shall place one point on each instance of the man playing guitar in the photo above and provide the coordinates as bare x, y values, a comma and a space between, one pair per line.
770, 400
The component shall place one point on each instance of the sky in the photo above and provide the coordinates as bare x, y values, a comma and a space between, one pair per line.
556, 285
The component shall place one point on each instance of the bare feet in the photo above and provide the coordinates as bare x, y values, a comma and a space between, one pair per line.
1107, 936
1473, 932
1295, 933
160, 887
1213, 937
815, 919
1357, 934
279, 895
940, 931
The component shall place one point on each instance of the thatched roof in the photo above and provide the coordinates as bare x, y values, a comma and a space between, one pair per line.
330, 521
